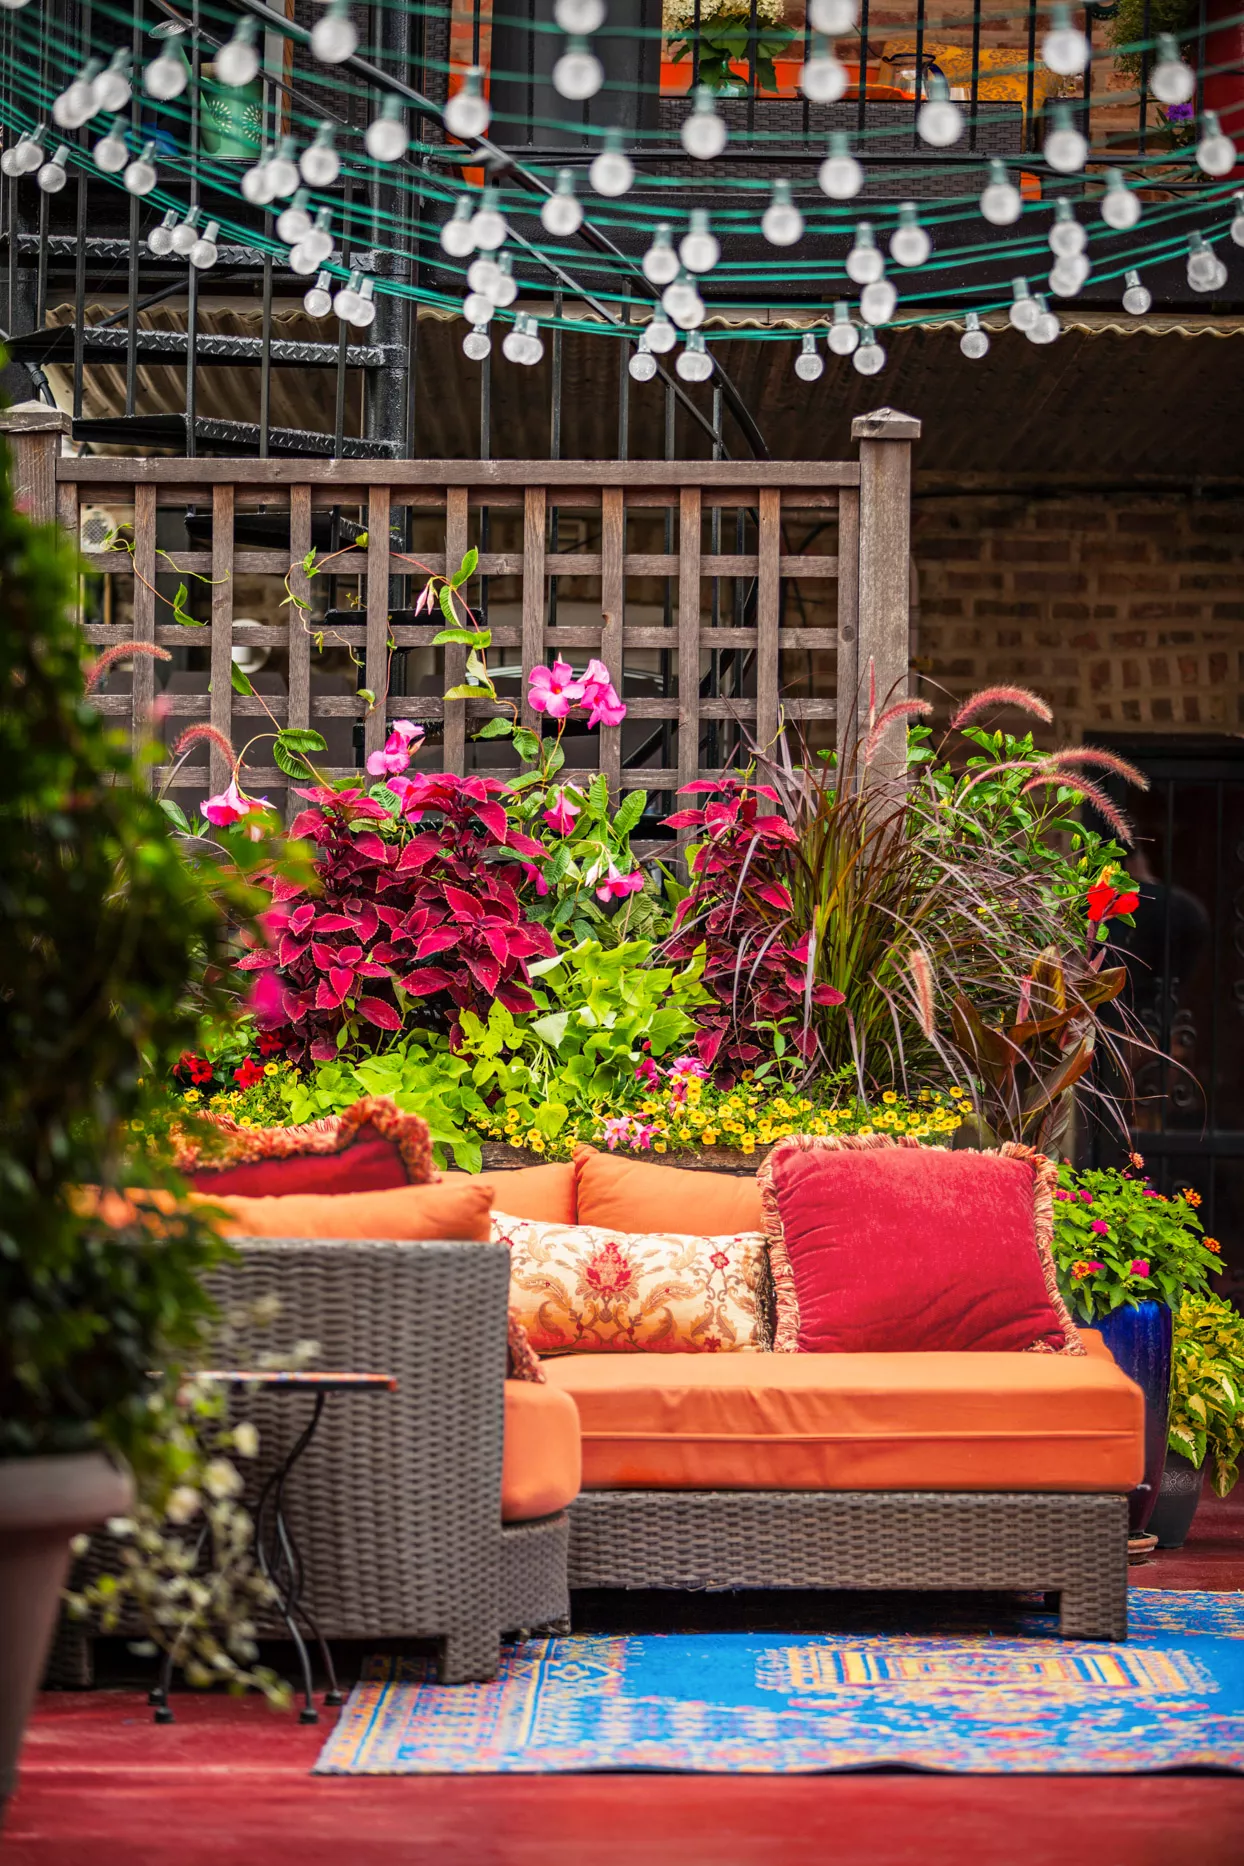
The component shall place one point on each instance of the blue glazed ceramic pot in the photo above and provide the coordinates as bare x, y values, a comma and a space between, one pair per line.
1140, 1341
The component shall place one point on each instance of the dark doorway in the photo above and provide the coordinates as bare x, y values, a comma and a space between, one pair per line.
1186, 957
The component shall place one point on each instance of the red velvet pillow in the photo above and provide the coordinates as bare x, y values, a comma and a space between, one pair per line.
372, 1147
881, 1245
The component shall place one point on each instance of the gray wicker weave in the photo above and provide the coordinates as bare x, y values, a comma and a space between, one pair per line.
1074, 1547
396, 1505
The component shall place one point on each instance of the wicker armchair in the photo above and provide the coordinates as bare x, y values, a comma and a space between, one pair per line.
396, 1505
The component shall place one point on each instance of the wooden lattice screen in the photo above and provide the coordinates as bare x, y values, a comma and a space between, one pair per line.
229, 511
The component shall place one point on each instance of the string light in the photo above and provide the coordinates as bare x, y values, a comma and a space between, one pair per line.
578, 73
974, 342
168, 73
314, 247
835, 18
877, 302
1206, 272
26, 154
293, 223
562, 214
660, 334
112, 86
282, 170
842, 336
840, 175
1237, 224
1171, 81
76, 103
864, 262
822, 79
660, 262
1066, 236
386, 138
939, 121
1064, 49
365, 310
52, 176
160, 239
186, 232
346, 297
205, 252
1001, 202
467, 113
694, 363
1045, 325
334, 36
456, 236
809, 364
1120, 205
319, 164
909, 243
256, 183
505, 291
1024, 309
699, 249
488, 228
111, 152
1136, 299
477, 344
478, 308
683, 303
237, 61
1064, 148
1215, 153
703, 134
579, 15
869, 357
642, 365
140, 177
782, 223
318, 298
611, 173
1069, 275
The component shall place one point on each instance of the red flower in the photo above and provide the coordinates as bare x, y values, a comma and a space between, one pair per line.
250, 1073
270, 1043
196, 1069
1105, 902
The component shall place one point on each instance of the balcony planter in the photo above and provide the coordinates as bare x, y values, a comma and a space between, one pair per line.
1139, 1338
44, 1502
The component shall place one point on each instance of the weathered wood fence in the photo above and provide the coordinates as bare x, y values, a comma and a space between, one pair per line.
731, 619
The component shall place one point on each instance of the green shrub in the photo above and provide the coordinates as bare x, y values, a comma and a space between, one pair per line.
1207, 1387
1118, 1241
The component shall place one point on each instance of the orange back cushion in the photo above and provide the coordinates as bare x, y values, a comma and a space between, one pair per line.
545, 1193
451, 1209
633, 1195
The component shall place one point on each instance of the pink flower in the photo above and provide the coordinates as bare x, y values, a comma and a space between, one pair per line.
1092, 1267
648, 1073
554, 690
232, 805
624, 1130
688, 1066
1086, 1196
533, 875
1060, 1194
1139, 1267
1100, 1226
560, 818
616, 886
399, 748
600, 696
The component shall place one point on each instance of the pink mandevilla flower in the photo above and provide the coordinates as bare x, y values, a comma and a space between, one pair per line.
560, 817
600, 696
554, 690
648, 1073
624, 1130
616, 886
231, 805
400, 747
1139, 1266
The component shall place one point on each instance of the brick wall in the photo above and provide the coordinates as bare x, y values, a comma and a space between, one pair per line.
1126, 611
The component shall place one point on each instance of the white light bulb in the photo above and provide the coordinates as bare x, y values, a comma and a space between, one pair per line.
660, 262
318, 298
304, 260
823, 80
1064, 148
457, 238
166, 75
140, 177
318, 244
611, 172
781, 223
1136, 300
110, 152
282, 170
186, 232
939, 121
1215, 153
1065, 48
682, 302
32, 150
294, 222
840, 175
205, 252
160, 239
562, 214
1202, 265
864, 262
1001, 202
488, 228
579, 15
52, 176
484, 275
1069, 275
843, 336
1120, 205
364, 312
877, 302
703, 134
505, 291
694, 364
513, 344
1024, 309
478, 308
76, 103
660, 334
698, 249
974, 342
467, 113
1171, 81
319, 164
809, 364
1237, 225
14, 159
1066, 236
1045, 326
256, 182
334, 36
345, 298
578, 73
386, 138
869, 358
835, 18
909, 243
535, 349
642, 366
112, 87
237, 62
477, 344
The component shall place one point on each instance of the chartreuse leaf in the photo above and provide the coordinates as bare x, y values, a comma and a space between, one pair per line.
628, 813
465, 570
527, 744
499, 728
464, 637
239, 681
467, 693
180, 612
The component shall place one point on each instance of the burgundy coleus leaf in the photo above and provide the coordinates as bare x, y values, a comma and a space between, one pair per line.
290, 950
419, 851
366, 969
326, 998
514, 997
497, 941
426, 979
308, 823
368, 843
301, 919
484, 968
685, 819
323, 1050
525, 845
775, 895
333, 923
258, 961
460, 902
376, 1011
828, 994
531, 942
494, 819
439, 939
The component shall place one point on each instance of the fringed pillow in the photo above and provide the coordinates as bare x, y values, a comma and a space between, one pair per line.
879, 1244
372, 1147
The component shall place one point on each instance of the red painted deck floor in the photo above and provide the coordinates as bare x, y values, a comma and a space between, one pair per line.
227, 1785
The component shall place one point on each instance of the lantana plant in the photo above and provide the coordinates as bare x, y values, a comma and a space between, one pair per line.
1117, 1240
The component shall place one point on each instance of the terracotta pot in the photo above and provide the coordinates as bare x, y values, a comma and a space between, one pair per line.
44, 1503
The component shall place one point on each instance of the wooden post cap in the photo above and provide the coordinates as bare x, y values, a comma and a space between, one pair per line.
885, 424
34, 418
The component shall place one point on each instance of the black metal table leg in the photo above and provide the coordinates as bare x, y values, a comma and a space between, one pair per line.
278, 1556
158, 1695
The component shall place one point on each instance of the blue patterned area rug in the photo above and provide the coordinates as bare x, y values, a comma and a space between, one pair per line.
959, 1698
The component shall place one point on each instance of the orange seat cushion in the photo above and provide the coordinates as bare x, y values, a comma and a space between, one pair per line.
625, 1194
452, 1209
969, 1421
540, 1470
545, 1193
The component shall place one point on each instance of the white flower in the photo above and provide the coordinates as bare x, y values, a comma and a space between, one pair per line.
119, 1526
182, 1503
245, 1439
220, 1479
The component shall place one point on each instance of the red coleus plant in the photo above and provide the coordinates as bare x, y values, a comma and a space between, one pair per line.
739, 909
428, 909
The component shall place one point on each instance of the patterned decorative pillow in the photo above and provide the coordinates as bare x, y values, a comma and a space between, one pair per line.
590, 1289
372, 1147
522, 1361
